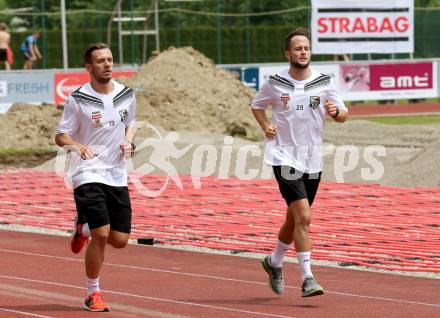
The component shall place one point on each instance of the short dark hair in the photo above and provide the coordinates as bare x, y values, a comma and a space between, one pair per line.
93, 47
298, 31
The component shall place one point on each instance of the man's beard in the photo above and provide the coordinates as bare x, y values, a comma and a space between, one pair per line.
300, 66
102, 80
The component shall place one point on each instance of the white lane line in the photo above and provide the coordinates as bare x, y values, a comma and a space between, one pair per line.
36, 295
23, 313
150, 298
223, 278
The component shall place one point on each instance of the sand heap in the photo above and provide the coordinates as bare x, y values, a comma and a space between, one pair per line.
181, 89
29, 126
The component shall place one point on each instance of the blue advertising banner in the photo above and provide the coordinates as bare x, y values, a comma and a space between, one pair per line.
26, 87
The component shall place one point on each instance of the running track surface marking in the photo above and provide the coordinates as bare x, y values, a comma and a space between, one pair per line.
40, 278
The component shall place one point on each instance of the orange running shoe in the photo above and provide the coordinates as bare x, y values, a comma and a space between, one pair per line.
77, 240
95, 303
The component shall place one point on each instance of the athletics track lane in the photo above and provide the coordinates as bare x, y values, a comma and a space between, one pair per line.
39, 277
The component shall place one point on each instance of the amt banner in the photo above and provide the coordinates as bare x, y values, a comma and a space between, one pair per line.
360, 81
66, 83
352, 26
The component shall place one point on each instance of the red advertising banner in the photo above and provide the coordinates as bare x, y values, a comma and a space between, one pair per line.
402, 76
66, 83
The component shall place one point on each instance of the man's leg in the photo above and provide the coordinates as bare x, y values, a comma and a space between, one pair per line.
95, 251
93, 262
300, 210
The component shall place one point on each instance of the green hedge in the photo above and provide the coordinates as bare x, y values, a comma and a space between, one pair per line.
264, 45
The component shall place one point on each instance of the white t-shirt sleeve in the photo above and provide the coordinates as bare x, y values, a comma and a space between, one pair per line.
69, 122
131, 121
263, 98
334, 96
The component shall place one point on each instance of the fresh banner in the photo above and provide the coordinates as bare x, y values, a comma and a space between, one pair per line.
352, 26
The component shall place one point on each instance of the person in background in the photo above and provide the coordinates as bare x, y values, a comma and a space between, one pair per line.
30, 50
5, 39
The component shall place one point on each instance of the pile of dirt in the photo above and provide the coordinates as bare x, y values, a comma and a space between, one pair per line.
29, 126
181, 89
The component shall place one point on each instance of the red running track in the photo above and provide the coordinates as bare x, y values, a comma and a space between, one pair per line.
392, 110
39, 277
353, 225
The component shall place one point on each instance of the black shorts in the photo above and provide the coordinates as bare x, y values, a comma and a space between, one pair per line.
99, 204
296, 185
27, 56
3, 55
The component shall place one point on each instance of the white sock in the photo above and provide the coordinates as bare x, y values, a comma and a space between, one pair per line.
304, 264
85, 230
92, 285
277, 257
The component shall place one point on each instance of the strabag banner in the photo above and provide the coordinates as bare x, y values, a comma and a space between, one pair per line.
352, 26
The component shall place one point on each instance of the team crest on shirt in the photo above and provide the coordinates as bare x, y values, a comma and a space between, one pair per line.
124, 114
285, 98
96, 117
315, 101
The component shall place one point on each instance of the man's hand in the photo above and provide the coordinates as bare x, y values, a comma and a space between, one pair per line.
271, 131
331, 108
127, 149
85, 152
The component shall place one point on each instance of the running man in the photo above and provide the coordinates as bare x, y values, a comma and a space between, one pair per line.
98, 125
30, 50
300, 98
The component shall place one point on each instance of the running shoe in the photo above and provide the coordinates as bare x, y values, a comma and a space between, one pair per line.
276, 280
77, 240
310, 287
95, 303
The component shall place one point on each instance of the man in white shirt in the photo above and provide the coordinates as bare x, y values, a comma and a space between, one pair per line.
98, 126
300, 98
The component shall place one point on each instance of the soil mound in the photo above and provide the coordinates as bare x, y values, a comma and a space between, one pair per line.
181, 89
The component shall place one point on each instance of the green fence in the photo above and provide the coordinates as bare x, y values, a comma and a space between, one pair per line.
225, 39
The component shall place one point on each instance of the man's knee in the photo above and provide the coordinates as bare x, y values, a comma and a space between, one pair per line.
301, 214
118, 239
118, 243
100, 235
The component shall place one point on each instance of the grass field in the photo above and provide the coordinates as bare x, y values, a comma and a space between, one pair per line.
26, 157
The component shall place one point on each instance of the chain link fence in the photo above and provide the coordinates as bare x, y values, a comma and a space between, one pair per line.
246, 35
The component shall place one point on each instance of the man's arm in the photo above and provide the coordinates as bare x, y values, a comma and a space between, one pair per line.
37, 51
65, 141
339, 115
32, 50
270, 130
127, 148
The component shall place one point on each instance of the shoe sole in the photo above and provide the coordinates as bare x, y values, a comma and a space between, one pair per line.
96, 310
268, 282
316, 292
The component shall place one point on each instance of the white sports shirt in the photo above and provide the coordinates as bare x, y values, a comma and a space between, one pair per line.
299, 114
98, 121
